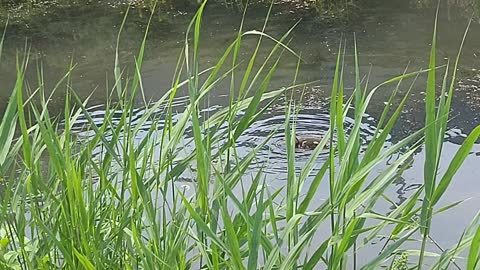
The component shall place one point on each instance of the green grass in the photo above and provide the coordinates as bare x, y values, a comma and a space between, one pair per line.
65, 206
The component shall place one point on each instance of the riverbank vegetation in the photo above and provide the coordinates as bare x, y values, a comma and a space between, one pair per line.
182, 4
26, 12
114, 195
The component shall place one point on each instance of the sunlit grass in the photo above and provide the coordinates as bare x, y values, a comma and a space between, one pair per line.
113, 200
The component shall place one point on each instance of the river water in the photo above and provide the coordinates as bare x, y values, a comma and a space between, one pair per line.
390, 35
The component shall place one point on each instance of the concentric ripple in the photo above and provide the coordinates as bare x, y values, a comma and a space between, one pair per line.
311, 122
272, 157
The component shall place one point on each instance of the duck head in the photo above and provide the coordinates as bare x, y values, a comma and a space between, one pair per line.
298, 143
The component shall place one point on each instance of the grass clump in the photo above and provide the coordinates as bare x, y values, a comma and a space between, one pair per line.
114, 200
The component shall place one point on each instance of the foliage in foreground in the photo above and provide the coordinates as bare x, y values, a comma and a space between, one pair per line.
112, 201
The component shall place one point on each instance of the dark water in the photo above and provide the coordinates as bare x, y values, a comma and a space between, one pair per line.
390, 36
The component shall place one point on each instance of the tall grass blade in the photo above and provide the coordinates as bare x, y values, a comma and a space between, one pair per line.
455, 164
473, 261
7, 128
2, 40
117, 70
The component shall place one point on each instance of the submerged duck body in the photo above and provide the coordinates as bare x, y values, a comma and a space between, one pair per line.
307, 142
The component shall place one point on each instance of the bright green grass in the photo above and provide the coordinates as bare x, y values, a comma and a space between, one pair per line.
64, 207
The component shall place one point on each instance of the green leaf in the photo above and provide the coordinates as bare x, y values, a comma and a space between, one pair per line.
7, 128
473, 262
388, 252
83, 260
455, 164
253, 247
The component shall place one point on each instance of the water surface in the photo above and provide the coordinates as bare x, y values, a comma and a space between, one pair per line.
391, 35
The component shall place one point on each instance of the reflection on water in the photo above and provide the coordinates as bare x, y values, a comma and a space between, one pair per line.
390, 36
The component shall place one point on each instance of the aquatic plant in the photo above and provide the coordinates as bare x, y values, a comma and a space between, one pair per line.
111, 196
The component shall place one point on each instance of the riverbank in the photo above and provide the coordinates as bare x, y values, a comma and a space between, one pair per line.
32, 12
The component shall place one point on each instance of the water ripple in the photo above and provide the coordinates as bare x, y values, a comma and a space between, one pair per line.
272, 156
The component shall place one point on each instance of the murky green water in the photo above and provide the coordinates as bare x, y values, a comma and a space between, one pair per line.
390, 36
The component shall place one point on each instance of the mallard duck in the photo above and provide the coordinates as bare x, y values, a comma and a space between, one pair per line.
307, 142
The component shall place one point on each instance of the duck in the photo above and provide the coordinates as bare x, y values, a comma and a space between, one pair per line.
307, 142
